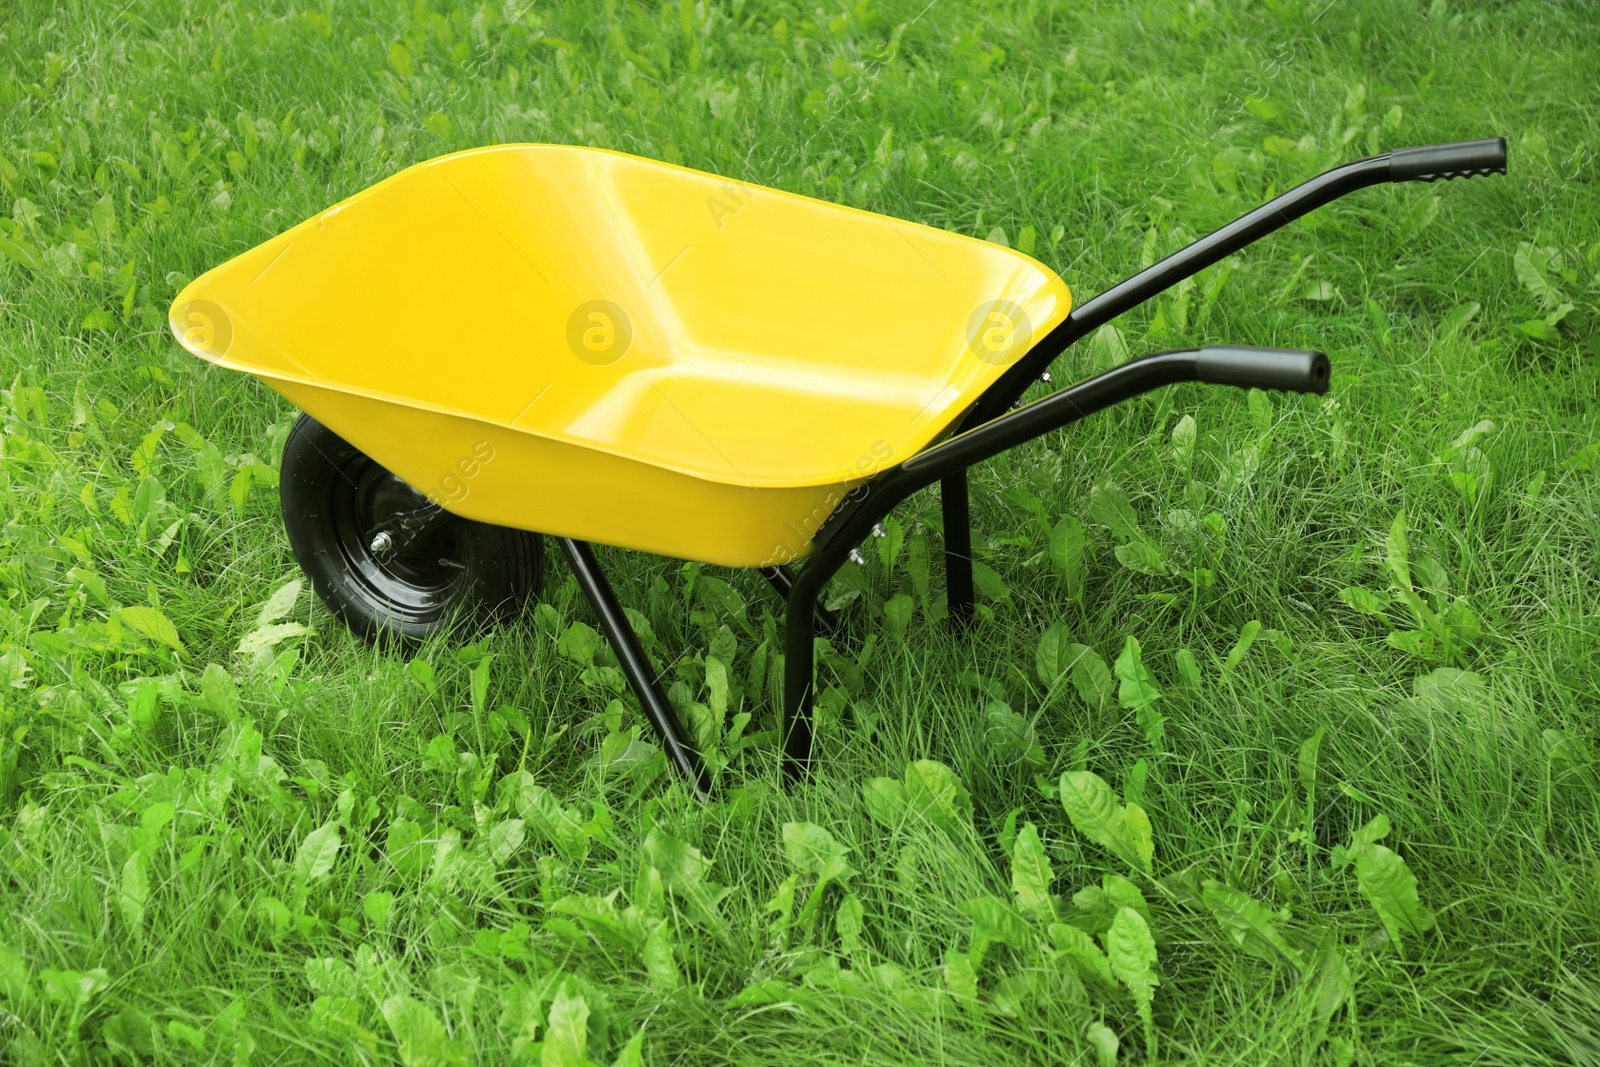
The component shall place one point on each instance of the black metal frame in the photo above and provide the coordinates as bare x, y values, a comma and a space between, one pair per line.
990, 426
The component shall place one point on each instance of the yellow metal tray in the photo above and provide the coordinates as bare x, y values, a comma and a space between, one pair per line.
594, 345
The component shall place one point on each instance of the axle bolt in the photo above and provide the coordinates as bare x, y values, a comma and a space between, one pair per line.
383, 542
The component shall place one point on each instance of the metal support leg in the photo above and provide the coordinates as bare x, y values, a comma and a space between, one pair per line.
799, 630
781, 579
957, 547
635, 664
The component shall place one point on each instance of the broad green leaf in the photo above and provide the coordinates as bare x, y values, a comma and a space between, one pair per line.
717, 688
133, 892
632, 1054
961, 977
1263, 108
812, 850
886, 800
1183, 439
1188, 668
219, 692
848, 923
994, 920
1141, 557
1585, 459
935, 792
479, 684
1241, 647
683, 873
1031, 874
1011, 735
720, 596
75, 989
153, 624
1531, 263
505, 837
421, 671
1306, 760
266, 638
1363, 600
1473, 434
1420, 217
781, 908
279, 604
1053, 658
1132, 954
1069, 546
1415, 642
988, 583
1141, 835
1259, 403
546, 817
1375, 830
329, 976
1391, 889
1091, 677
400, 60
566, 1030
579, 642
1248, 924
1094, 812
1463, 623
1397, 553
660, 962
1121, 893
377, 906
1105, 1043
898, 610
1455, 694
422, 1038
1110, 507
1456, 320
1087, 958
1538, 329
317, 852
1137, 689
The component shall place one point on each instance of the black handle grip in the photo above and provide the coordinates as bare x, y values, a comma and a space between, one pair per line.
1464, 159
1263, 368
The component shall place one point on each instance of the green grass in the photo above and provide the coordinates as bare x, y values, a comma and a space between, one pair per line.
171, 891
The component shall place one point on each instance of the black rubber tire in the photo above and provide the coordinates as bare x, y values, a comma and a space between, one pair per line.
333, 496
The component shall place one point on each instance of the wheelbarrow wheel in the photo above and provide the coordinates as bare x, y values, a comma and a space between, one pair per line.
336, 501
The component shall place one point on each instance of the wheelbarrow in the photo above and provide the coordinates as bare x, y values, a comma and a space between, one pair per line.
530, 340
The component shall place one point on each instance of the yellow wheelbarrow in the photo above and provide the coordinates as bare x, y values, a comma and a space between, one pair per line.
605, 348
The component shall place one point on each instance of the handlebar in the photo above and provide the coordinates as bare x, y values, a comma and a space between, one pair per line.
1427, 163
1462, 159
1289, 369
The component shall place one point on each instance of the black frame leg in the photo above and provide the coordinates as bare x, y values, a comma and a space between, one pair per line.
781, 578
953, 502
635, 664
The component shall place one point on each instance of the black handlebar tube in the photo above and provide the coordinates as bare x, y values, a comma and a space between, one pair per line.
1265, 368
1428, 163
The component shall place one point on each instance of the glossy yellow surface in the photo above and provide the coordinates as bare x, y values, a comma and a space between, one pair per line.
655, 357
